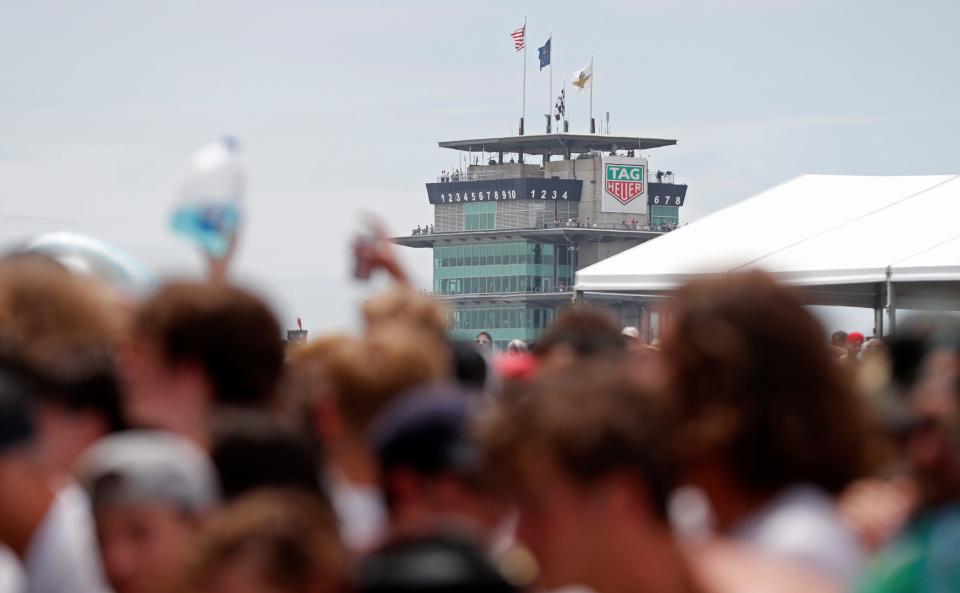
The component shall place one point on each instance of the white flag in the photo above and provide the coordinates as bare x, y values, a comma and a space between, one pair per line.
583, 78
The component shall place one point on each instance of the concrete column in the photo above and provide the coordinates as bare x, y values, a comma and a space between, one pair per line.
644, 325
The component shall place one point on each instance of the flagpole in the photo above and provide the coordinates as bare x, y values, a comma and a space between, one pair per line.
523, 114
592, 76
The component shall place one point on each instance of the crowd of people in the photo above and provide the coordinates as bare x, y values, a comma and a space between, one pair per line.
175, 443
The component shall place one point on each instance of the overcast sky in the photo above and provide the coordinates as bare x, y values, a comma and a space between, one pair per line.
339, 106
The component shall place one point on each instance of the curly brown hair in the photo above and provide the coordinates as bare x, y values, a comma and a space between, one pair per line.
753, 384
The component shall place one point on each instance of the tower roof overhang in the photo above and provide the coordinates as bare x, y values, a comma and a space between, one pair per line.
557, 144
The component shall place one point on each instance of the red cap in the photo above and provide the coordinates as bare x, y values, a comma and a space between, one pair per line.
855, 338
516, 366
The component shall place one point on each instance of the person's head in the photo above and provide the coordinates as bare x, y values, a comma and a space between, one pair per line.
757, 403
402, 305
484, 341
150, 493
470, 368
930, 439
252, 450
579, 451
854, 342
63, 328
517, 347
271, 542
580, 334
838, 338
355, 378
429, 465
197, 347
430, 563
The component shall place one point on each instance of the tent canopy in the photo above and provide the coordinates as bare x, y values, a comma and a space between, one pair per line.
829, 233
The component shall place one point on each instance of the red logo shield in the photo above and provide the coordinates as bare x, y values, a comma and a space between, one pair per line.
624, 182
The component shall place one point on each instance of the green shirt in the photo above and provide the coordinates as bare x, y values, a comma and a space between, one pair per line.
925, 557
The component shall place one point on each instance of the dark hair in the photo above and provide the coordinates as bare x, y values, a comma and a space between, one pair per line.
229, 332
754, 384
469, 366
489, 337
98, 392
438, 563
838, 338
252, 450
17, 414
592, 420
586, 331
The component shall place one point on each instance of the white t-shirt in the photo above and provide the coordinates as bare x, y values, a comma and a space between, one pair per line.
803, 525
12, 579
360, 510
63, 553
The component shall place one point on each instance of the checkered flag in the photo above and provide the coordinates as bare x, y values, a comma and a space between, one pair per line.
561, 106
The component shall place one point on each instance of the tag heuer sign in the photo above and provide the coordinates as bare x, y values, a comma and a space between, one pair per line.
624, 182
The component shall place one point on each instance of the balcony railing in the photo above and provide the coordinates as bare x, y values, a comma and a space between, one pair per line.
490, 172
608, 226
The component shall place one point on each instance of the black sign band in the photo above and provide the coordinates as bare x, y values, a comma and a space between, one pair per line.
498, 190
666, 194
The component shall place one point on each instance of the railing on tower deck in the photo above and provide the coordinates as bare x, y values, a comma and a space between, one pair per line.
570, 224
491, 172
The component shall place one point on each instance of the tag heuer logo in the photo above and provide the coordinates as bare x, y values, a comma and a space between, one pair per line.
624, 182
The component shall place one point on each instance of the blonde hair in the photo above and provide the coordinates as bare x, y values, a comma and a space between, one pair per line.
365, 373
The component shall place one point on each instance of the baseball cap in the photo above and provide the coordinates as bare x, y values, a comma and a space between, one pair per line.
426, 430
149, 466
855, 338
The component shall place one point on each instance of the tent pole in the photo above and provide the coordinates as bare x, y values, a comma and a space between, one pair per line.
891, 304
878, 321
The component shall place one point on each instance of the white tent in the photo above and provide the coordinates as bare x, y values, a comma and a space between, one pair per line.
847, 240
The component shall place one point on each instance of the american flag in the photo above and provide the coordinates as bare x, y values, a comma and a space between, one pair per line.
518, 37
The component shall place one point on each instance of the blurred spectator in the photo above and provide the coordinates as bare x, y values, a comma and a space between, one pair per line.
403, 305
923, 555
196, 348
854, 342
46, 524
579, 452
580, 334
352, 380
272, 542
517, 347
470, 368
429, 466
431, 564
62, 328
151, 492
763, 422
252, 450
484, 342
838, 338
838, 344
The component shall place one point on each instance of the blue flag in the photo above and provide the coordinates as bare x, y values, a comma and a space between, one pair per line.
544, 54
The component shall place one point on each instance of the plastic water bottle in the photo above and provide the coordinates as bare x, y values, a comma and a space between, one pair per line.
210, 200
